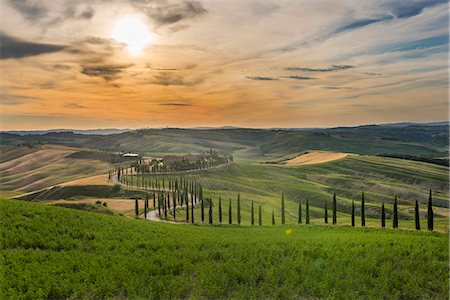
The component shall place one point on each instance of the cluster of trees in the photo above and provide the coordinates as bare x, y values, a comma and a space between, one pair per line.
178, 192
172, 164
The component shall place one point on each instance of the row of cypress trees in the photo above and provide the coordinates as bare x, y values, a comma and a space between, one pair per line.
430, 216
184, 191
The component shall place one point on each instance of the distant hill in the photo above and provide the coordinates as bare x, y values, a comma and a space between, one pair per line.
413, 139
88, 131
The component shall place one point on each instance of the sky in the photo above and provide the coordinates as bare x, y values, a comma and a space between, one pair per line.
156, 63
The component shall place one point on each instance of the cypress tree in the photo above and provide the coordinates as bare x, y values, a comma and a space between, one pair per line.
220, 210
165, 206
260, 216
353, 213
202, 210
136, 207
307, 211
416, 215
239, 209
168, 200
395, 219
145, 205
334, 209
363, 211
230, 216
210, 211
326, 213
253, 214
174, 199
154, 200
383, 216
430, 212
282, 209
299, 212
273, 217
159, 206
187, 207
192, 209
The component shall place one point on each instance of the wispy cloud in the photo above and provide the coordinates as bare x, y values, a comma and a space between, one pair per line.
263, 78
333, 68
107, 72
298, 77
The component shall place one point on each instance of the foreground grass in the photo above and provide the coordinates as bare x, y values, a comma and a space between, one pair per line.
55, 252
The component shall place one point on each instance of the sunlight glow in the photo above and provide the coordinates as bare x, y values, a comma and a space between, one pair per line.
133, 32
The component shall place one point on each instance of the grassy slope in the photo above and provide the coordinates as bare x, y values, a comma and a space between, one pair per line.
53, 252
380, 178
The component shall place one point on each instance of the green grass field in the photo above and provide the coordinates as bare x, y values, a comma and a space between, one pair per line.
55, 252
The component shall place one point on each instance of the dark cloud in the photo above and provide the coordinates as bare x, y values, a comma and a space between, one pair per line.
169, 78
407, 9
175, 104
107, 72
261, 78
333, 68
299, 77
165, 13
31, 10
11, 47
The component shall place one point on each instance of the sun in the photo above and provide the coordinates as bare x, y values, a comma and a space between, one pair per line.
133, 32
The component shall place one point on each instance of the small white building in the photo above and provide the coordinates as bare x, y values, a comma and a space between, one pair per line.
128, 154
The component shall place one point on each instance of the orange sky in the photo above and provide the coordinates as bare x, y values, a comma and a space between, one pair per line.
213, 63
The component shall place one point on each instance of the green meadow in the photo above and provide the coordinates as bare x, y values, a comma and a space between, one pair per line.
55, 252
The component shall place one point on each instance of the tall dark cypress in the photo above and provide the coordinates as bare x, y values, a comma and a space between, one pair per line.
260, 216
168, 200
307, 211
159, 206
145, 205
154, 199
363, 211
192, 209
210, 211
165, 206
299, 212
136, 207
186, 200
282, 209
353, 213
395, 219
383, 216
174, 200
430, 212
334, 209
416, 215
239, 209
230, 216
253, 214
202, 210
273, 217
220, 210
326, 213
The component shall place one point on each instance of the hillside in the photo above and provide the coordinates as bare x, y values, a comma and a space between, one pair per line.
254, 144
55, 252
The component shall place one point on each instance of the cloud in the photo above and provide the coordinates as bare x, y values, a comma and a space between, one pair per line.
337, 87
87, 14
31, 10
11, 47
169, 78
74, 105
407, 9
264, 78
333, 68
11, 99
175, 104
299, 77
107, 72
165, 13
